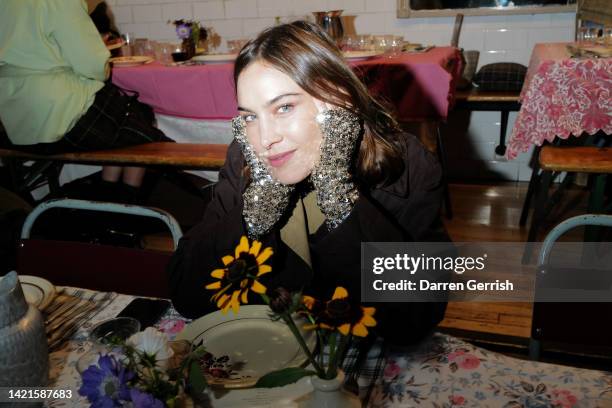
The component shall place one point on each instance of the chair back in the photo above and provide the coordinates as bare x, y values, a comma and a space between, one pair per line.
593, 11
132, 271
574, 322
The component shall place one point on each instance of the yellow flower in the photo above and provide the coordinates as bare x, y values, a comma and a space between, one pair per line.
340, 314
239, 275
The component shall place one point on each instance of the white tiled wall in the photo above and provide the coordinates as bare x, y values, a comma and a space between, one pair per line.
498, 38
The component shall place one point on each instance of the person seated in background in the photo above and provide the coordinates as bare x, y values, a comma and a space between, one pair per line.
55, 92
316, 168
102, 21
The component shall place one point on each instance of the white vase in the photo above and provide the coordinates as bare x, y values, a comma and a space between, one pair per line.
329, 394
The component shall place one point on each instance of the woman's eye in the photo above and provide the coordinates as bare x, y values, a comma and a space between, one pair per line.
248, 118
285, 108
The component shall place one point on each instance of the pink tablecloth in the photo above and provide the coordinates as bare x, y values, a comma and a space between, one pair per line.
562, 96
418, 86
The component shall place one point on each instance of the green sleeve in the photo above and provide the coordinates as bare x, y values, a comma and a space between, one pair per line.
79, 41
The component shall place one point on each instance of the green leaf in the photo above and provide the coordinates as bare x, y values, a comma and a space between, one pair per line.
282, 377
196, 378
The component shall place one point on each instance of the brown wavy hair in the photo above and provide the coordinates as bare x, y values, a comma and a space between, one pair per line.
307, 55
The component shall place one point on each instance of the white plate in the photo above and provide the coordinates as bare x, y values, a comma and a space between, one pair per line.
215, 58
130, 61
38, 292
254, 344
359, 55
114, 46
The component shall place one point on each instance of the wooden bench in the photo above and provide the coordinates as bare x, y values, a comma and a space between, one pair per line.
502, 101
183, 156
580, 159
572, 159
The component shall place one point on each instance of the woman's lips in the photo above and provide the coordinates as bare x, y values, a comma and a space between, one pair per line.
278, 160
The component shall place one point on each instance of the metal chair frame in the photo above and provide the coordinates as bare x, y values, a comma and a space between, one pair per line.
164, 216
600, 220
97, 266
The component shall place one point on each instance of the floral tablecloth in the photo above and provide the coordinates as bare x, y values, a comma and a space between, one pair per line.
562, 96
447, 372
442, 371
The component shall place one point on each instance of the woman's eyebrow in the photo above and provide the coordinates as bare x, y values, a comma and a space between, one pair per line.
271, 101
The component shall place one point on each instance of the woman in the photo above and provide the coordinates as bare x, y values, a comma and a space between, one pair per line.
55, 92
318, 167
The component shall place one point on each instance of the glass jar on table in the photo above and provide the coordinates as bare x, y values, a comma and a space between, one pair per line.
587, 35
127, 49
104, 335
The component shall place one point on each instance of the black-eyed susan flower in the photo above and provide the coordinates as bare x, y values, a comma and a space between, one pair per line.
239, 275
340, 314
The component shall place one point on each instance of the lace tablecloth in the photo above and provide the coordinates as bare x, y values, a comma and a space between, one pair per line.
562, 96
442, 371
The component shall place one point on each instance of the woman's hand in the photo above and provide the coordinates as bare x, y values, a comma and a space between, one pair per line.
331, 177
265, 199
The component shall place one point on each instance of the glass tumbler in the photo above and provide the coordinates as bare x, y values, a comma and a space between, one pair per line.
103, 335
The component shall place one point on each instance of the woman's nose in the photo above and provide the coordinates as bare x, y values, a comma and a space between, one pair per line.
269, 135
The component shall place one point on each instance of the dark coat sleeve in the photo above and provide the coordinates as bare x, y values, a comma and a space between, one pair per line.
200, 251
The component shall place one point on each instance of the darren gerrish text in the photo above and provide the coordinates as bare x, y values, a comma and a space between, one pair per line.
424, 284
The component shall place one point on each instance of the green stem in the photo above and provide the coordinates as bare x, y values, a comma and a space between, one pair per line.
321, 346
342, 353
319, 338
296, 333
300, 340
333, 363
332, 355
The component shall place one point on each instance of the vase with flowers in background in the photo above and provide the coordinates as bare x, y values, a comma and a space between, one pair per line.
335, 321
190, 33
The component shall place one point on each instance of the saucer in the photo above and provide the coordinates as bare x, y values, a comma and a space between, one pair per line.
130, 61
360, 55
37, 291
215, 58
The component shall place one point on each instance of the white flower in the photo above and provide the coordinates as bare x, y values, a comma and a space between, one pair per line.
152, 342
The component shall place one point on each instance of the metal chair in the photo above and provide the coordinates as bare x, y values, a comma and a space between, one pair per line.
584, 323
94, 266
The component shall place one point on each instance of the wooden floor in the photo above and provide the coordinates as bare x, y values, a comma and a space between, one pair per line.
487, 213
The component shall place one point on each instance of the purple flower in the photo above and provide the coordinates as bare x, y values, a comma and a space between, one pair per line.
183, 31
143, 400
105, 385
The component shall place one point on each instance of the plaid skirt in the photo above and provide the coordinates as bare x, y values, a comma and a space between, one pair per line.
115, 119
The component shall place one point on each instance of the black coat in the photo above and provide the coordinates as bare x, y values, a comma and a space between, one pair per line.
407, 209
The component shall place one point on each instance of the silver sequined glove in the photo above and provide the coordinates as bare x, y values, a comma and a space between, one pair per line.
265, 199
331, 177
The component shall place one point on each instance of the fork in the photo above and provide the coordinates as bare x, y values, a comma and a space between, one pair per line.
60, 335
67, 319
62, 306
80, 309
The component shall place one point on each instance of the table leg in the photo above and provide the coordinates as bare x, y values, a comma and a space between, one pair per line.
500, 149
442, 157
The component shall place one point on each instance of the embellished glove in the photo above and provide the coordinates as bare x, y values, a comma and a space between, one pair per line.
333, 182
265, 199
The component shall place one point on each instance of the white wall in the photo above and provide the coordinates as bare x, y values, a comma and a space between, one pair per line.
498, 38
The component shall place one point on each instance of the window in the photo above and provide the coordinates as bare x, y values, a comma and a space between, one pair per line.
432, 8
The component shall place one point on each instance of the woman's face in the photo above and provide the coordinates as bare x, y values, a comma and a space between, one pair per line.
280, 121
